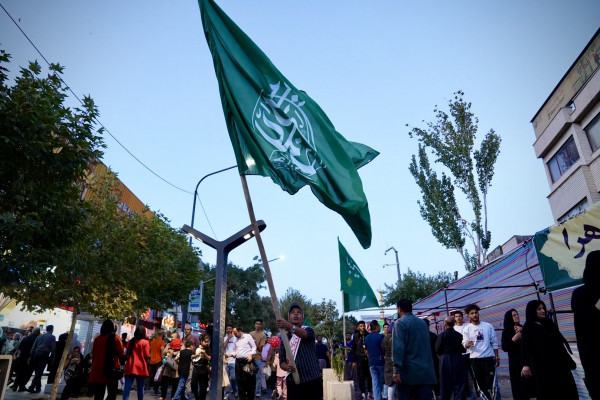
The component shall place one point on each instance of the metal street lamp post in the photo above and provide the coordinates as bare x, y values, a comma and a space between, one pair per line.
397, 262
183, 306
223, 248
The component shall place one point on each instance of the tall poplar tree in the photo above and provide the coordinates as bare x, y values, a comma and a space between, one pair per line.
451, 140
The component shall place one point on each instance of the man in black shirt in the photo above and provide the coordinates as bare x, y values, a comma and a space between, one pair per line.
453, 371
361, 361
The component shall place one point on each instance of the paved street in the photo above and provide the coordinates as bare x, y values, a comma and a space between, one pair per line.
10, 395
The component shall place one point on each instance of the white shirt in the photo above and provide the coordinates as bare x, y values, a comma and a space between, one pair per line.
245, 346
460, 329
483, 337
230, 348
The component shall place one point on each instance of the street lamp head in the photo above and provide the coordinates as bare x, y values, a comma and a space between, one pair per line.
193, 233
391, 248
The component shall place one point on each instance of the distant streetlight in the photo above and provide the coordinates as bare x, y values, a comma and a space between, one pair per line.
223, 248
397, 263
281, 257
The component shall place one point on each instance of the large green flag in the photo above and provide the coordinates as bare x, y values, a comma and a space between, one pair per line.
357, 291
279, 131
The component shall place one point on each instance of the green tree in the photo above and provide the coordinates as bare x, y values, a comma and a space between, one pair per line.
114, 266
292, 295
451, 139
244, 305
415, 286
327, 320
169, 266
45, 151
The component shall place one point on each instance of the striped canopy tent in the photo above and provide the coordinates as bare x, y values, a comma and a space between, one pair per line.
510, 281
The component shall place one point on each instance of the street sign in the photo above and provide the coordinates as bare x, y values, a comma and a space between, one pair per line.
195, 305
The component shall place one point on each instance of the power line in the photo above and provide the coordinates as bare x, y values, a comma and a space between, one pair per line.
97, 121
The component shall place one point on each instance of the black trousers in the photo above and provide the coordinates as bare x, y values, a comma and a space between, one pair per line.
152, 369
246, 382
484, 369
364, 375
24, 371
453, 376
165, 382
100, 388
311, 390
72, 387
199, 384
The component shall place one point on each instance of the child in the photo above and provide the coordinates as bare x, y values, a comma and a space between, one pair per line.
184, 360
200, 373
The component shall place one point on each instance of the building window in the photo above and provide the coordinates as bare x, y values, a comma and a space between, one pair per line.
593, 133
566, 156
576, 210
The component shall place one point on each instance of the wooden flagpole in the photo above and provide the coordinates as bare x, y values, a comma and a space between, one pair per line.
265, 262
344, 320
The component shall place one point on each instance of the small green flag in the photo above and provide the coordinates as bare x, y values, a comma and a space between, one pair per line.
357, 291
278, 131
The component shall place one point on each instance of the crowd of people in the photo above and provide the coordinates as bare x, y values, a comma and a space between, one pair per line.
408, 361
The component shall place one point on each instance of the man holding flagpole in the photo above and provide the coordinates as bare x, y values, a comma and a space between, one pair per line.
302, 343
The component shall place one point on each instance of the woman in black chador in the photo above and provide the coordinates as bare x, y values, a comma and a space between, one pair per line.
511, 343
545, 357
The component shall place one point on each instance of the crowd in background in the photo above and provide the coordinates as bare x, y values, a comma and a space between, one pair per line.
408, 361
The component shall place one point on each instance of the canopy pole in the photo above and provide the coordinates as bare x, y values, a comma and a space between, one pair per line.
265, 262
446, 297
553, 309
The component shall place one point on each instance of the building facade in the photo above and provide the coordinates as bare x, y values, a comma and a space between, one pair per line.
567, 130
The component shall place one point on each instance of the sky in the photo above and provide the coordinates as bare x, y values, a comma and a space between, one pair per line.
373, 67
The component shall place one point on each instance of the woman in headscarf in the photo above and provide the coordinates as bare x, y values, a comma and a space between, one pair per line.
136, 366
73, 374
545, 357
585, 303
511, 343
106, 351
